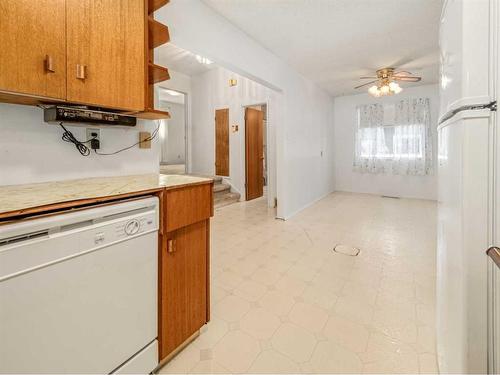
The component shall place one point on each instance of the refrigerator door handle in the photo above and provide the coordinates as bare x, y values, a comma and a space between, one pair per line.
494, 253
492, 106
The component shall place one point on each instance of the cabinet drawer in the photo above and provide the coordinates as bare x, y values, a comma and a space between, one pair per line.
187, 205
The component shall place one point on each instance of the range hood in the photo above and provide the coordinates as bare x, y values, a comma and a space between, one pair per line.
84, 115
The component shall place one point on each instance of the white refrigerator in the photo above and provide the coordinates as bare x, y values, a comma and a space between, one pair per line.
468, 169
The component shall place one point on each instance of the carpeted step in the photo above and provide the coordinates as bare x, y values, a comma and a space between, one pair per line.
226, 199
221, 189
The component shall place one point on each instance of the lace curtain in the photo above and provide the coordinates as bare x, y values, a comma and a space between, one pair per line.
370, 140
400, 143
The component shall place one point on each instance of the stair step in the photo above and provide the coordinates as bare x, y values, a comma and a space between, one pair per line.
226, 199
222, 188
217, 179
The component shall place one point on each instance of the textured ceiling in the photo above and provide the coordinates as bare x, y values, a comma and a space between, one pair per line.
180, 60
333, 42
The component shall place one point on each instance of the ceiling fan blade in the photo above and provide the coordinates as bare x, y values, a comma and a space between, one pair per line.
403, 72
372, 77
408, 79
365, 84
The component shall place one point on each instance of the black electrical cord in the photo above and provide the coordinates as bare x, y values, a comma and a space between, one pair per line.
84, 150
150, 138
70, 138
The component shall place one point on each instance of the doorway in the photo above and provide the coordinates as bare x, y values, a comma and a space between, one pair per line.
173, 134
255, 151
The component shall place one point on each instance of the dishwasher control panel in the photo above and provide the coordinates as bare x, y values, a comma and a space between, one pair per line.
132, 227
125, 228
135, 225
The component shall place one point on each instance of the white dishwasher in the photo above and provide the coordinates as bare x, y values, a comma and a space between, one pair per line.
78, 291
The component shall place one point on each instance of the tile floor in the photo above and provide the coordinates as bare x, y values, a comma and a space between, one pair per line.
284, 302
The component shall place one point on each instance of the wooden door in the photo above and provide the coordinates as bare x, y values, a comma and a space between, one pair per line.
254, 152
184, 285
222, 142
33, 47
106, 53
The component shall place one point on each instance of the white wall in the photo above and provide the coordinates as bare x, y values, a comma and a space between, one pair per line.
346, 179
32, 151
174, 145
305, 132
211, 91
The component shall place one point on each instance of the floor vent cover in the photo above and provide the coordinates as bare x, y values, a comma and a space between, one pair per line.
346, 250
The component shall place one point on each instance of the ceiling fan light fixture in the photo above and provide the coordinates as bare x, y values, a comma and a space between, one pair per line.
386, 81
385, 90
374, 90
393, 86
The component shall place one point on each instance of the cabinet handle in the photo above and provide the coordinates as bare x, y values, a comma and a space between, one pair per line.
81, 71
171, 246
49, 64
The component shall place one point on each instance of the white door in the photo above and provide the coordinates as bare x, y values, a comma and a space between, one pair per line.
465, 44
462, 240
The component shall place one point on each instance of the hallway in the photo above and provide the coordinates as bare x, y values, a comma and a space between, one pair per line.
284, 302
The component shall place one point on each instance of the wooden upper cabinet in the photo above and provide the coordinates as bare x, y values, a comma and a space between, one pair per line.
106, 53
33, 47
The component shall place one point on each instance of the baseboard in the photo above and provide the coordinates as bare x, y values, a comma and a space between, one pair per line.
306, 206
171, 356
382, 194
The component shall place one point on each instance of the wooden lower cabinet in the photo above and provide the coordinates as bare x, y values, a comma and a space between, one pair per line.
183, 275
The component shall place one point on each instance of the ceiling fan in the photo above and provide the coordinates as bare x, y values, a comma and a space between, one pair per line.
386, 81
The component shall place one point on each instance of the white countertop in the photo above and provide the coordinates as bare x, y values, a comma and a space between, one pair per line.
14, 198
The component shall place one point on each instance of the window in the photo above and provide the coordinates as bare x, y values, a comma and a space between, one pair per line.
396, 140
392, 141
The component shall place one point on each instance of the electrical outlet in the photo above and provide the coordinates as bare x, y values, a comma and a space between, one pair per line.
93, 133
94, 136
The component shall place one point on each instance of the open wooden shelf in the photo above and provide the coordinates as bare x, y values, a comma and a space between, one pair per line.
157, 73
154, 5
158, 33
153, 114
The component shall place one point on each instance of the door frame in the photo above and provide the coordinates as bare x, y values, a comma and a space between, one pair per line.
271, 191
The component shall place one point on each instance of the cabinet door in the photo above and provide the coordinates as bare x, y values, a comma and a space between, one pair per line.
106, 53
183, 285
33, 47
